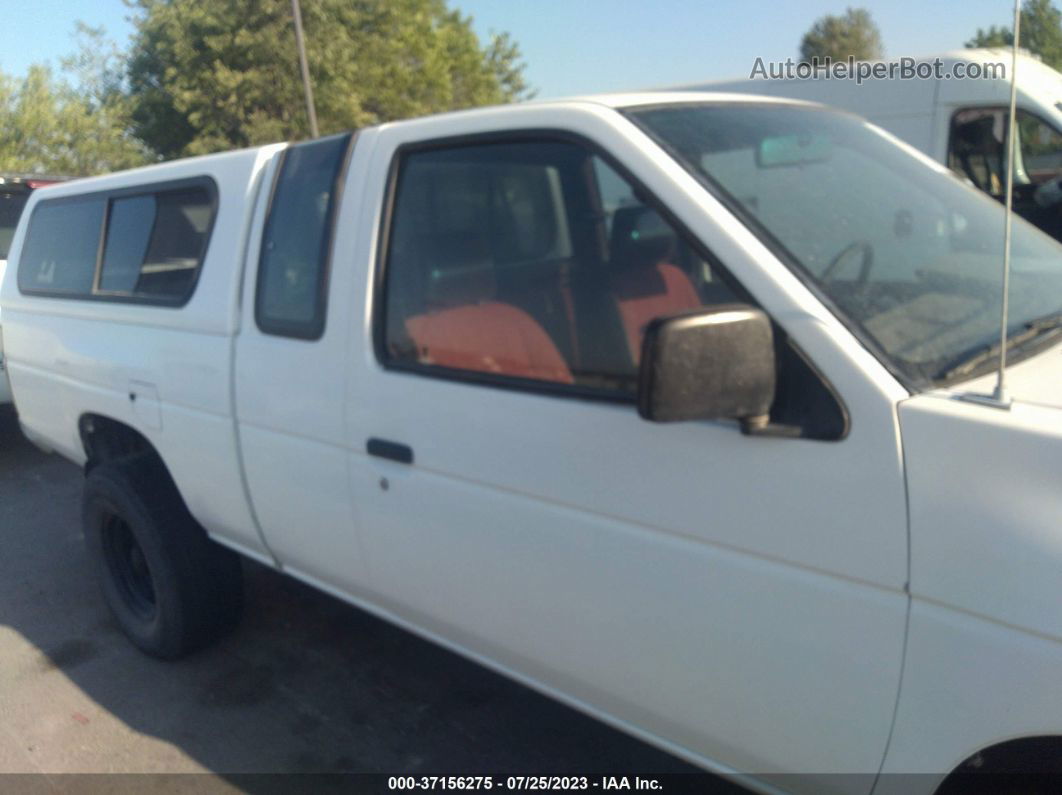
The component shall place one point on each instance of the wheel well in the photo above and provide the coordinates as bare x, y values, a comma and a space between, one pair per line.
1028, 755
104, 439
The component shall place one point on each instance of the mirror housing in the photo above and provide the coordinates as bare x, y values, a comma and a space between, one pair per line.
710, 364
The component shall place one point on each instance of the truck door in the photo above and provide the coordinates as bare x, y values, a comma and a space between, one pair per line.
289, 380
738, 599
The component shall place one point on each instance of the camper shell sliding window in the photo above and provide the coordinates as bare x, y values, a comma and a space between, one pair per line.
144, 244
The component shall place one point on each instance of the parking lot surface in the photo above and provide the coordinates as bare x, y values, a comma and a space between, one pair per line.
306, 685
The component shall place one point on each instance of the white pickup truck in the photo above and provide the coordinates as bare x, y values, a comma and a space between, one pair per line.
668, 405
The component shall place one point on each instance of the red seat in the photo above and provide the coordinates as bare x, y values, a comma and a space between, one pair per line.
489, 337
465, 328
645, 293
644, 284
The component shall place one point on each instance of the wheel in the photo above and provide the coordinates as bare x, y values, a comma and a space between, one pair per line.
171, 589
973, 783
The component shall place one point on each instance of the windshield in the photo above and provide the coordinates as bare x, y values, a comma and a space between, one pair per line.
911, 257
11, 205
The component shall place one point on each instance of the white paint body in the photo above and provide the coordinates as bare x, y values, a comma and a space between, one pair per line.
758, 606
919, 111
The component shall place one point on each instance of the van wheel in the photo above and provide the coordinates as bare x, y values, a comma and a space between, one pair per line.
170, 587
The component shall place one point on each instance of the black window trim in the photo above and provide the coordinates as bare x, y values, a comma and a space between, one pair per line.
314, 329
107, 196
508, 382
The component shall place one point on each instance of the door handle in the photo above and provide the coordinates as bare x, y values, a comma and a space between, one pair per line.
393, 451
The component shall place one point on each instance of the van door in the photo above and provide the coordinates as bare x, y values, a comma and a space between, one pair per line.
733, 598
289, 388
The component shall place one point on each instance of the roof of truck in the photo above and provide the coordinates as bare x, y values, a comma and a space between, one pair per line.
663, 97
615, 101
179, 168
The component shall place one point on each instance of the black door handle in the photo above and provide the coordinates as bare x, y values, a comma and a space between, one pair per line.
394, 451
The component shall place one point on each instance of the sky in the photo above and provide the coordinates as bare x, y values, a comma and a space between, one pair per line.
585, 46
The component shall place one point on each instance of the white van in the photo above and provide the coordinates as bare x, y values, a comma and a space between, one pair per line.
667, 405
958, 121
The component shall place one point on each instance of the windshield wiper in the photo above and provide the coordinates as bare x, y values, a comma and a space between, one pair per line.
1033, 330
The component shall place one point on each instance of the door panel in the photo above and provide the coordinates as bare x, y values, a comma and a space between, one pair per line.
694, 640
289, 387
723, 593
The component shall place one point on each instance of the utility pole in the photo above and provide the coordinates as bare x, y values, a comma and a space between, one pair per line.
307, 88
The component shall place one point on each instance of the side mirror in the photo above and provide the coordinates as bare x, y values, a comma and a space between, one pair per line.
710, 364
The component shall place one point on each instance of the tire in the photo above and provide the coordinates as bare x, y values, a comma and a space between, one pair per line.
171, 589
1001, 784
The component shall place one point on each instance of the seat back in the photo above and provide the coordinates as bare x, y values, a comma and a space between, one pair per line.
644, 283
464, 327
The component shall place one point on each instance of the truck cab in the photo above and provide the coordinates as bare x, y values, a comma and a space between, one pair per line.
667, 405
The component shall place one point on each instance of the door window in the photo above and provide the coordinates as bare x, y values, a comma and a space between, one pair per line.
531, 261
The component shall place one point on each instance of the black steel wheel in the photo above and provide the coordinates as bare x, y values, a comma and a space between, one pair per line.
170, 588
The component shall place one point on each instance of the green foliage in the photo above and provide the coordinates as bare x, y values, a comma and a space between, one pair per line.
1041, 33
49, 125
838, 37
218, 75
992, 37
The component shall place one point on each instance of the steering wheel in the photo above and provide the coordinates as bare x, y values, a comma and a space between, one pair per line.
867, 262
1049, 193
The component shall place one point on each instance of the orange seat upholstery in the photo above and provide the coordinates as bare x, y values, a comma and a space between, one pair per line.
642, 295
488, 337
465, 328
644, 284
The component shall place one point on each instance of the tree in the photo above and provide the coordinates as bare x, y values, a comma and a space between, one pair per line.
838, 37
211, 76
50, 125
1041, 33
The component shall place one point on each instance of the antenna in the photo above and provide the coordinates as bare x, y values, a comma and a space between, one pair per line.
1000, 393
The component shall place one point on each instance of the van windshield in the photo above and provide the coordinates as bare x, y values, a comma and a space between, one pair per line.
910, 257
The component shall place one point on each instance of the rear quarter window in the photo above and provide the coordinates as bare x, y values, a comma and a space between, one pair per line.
291, 292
